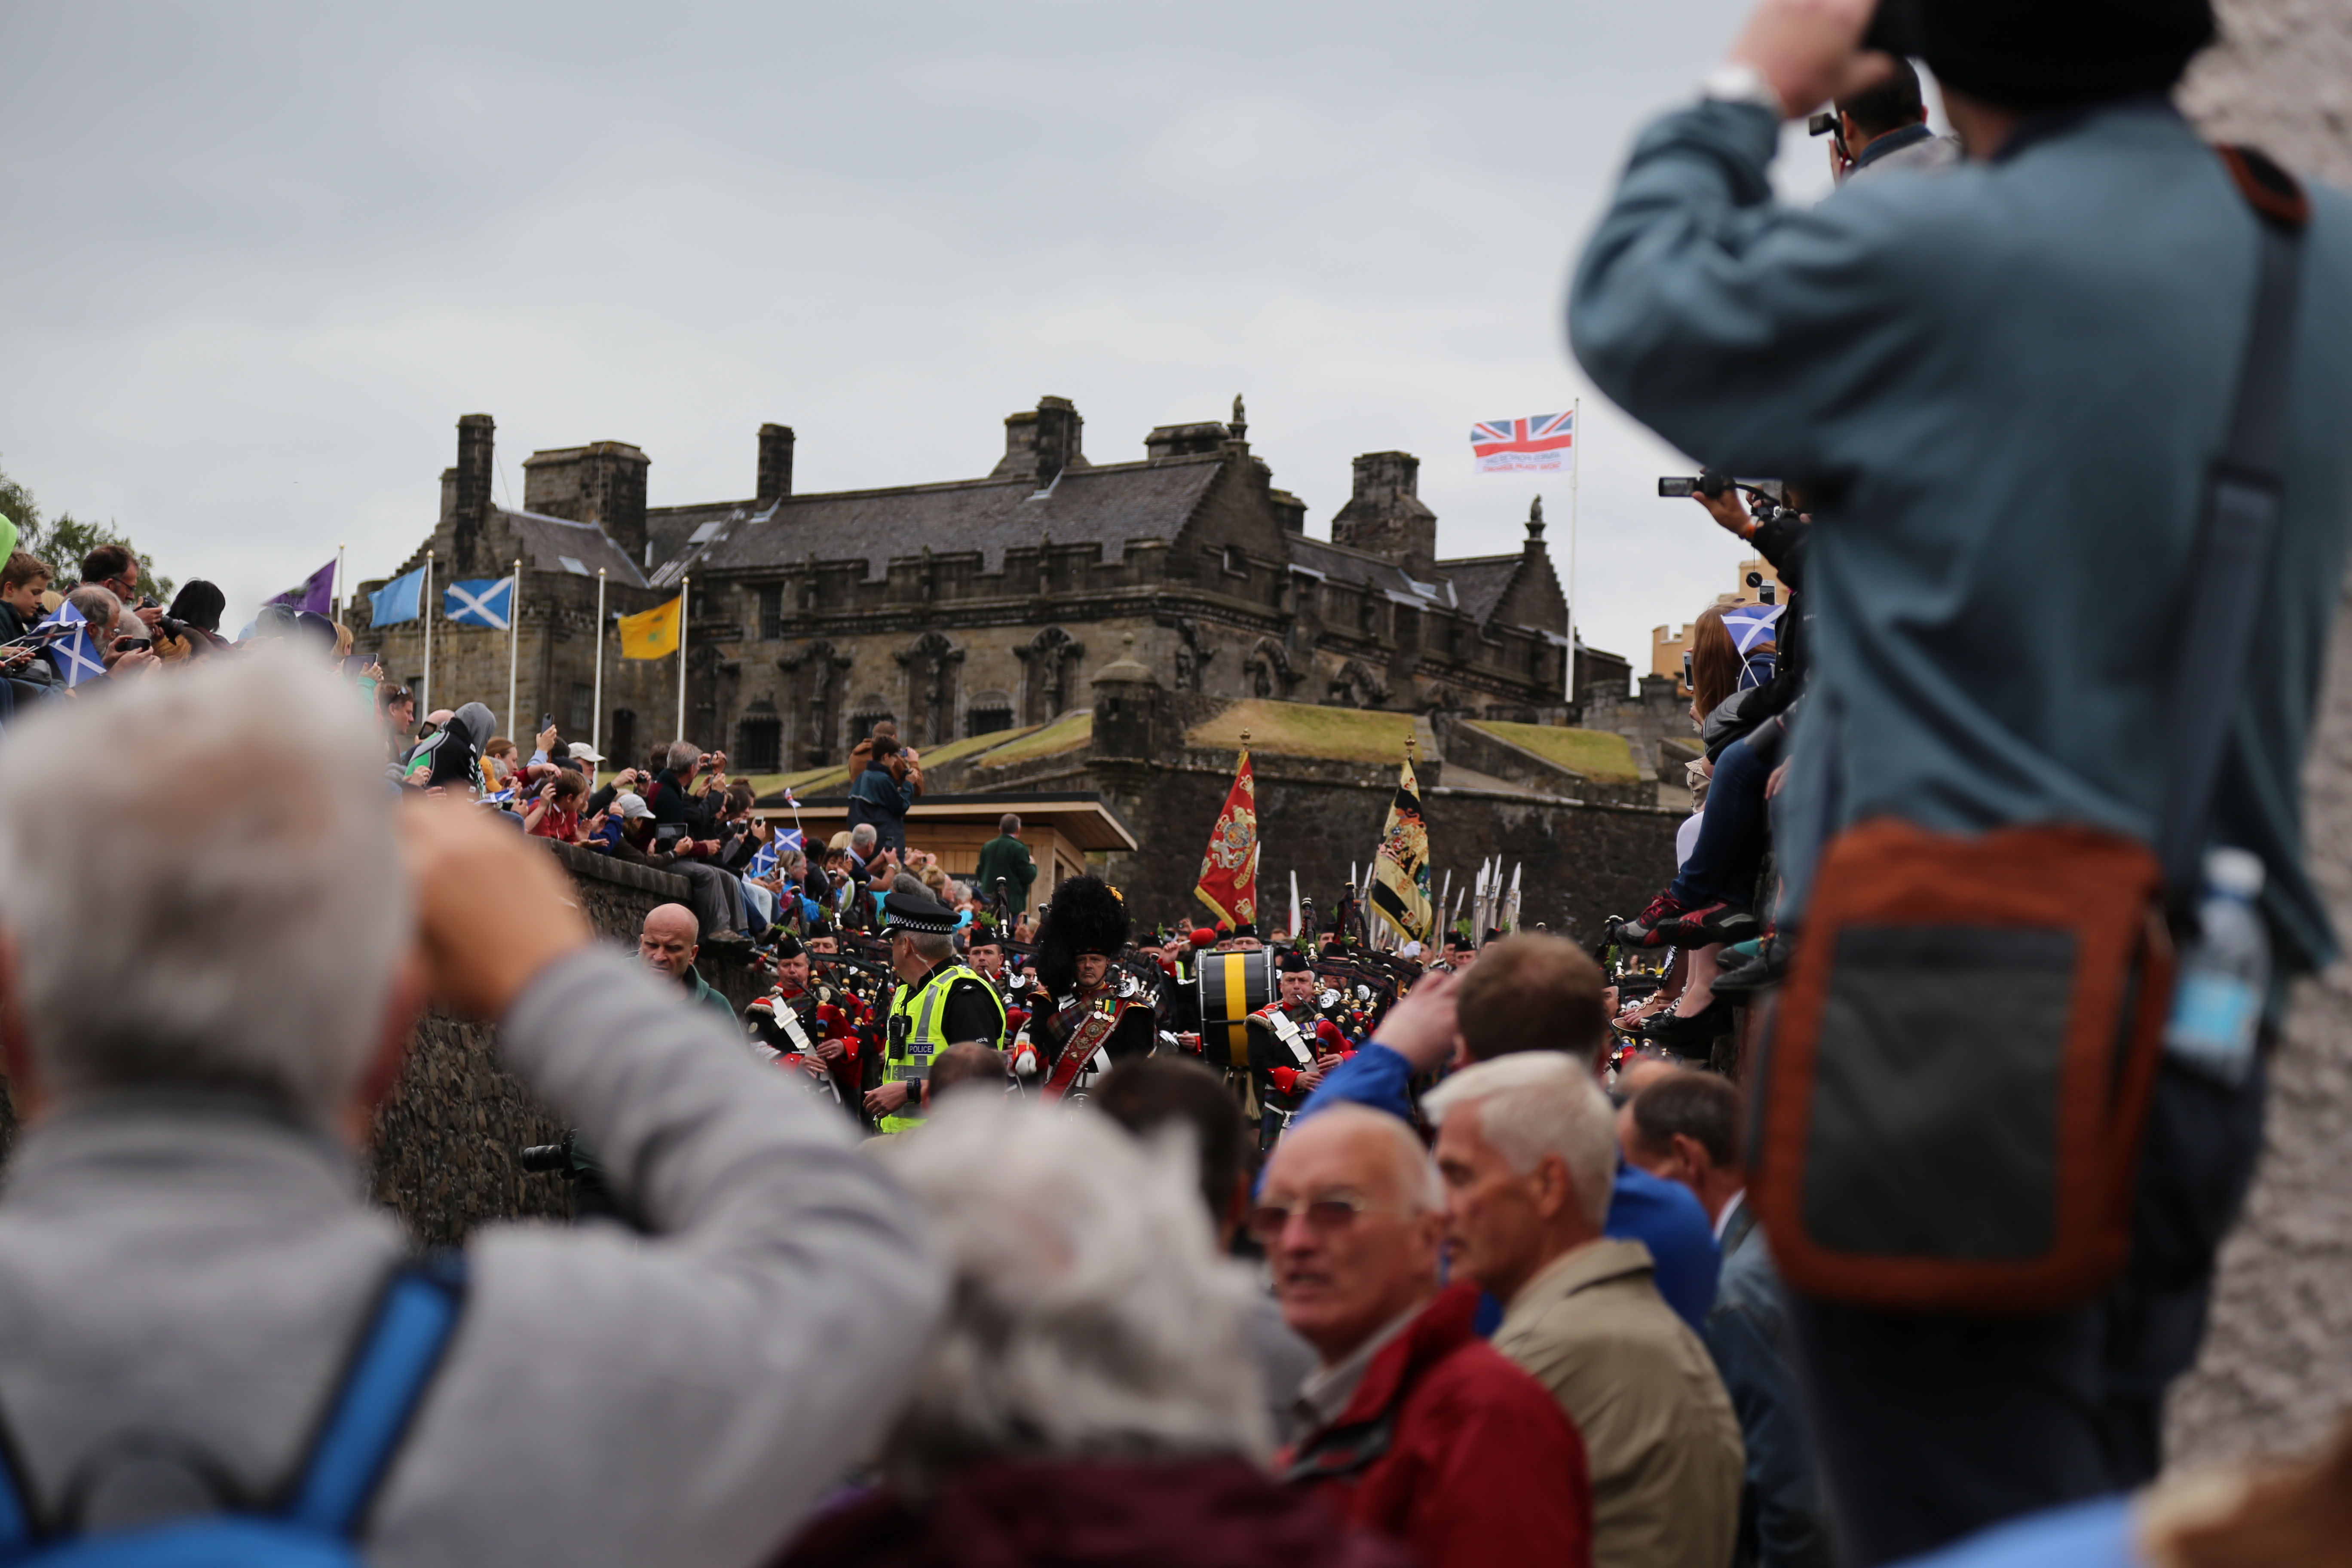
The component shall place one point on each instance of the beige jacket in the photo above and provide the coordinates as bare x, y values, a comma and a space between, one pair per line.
1659, 1431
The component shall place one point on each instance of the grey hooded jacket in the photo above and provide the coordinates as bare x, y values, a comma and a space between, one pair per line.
197, 1268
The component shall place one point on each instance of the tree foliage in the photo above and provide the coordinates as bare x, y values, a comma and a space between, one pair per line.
64, 541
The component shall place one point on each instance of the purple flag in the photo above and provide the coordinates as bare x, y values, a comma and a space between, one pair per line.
315, 592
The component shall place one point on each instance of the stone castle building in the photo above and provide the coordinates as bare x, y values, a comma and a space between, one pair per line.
965, 607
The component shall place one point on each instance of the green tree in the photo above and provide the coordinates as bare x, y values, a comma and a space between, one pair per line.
62, 542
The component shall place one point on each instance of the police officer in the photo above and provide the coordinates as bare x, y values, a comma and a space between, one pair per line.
939, 1003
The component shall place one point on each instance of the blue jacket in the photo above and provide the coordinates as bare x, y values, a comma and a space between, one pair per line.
2005, 385
878, 794
1662, 1215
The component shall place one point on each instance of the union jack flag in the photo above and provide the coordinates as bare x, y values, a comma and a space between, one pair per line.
1541, 442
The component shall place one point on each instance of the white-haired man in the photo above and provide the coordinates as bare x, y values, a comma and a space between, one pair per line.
1413, 1426
1526, 1145
1091, 1397
211, 965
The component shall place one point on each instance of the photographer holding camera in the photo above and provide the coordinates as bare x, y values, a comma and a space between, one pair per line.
2000, 385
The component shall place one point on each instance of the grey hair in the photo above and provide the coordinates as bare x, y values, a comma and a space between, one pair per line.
684, 754
1091, 1315
1008, 823
228, 910
1418, 1184
1534, 1103
100, 609
864, 834
931, 946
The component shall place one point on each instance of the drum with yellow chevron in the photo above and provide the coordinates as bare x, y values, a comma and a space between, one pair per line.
1231, 986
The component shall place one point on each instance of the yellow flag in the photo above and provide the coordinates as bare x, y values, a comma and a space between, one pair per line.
652, 634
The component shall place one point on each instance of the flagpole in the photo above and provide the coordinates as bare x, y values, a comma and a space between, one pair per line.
514, 642
341, 607
1575, 473
424, 613
597, 718
681, 658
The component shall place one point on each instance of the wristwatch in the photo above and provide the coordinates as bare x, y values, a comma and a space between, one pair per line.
1736, 81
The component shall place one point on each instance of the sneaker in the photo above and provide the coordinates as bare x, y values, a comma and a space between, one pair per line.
1691, 1035
1668, 923
1767, 968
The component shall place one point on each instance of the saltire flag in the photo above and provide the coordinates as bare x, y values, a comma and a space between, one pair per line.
315, 592
1228, 882
650, 633
1540, 444
1754, 629
480, 602
397, 600
76, 656
1400, 892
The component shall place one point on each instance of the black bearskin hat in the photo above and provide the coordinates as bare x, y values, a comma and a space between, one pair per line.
1086, 916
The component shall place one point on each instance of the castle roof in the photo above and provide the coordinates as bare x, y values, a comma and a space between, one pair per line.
1480, 582
1107, 504
560, 544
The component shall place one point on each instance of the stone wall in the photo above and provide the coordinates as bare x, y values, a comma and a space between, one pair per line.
448, 1138
1586, 859
2276, 1371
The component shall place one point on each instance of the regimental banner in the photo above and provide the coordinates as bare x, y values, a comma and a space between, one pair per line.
1229, 870
1540, 444
1400, 872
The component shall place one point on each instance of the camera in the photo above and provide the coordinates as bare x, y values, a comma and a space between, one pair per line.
1764, 591
1708, 483
1821, 124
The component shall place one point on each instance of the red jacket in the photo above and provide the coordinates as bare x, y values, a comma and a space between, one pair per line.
1450, 1448
1206, 1512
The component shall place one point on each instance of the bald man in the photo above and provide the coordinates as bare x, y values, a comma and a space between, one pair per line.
668, 945
1478, 1464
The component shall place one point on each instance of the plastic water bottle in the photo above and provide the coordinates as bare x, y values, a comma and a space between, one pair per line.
2217, 1003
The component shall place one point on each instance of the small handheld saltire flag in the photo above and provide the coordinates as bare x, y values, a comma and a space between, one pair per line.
75, 655
315, 592
650, 633
396, 601
1540, 444
1400, 872
1228, 882
480, 602
1754, 629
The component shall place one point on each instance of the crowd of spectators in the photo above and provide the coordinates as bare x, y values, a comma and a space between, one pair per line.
1493, 1294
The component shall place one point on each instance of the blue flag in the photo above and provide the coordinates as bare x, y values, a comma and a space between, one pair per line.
75, 655
396, 601
480, 602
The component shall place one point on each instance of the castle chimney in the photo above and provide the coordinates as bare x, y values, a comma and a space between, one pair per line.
1385, 516
476, 462
1039, 444
602, 482
776, 463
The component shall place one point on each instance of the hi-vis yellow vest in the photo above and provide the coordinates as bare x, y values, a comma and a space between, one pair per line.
917, 1031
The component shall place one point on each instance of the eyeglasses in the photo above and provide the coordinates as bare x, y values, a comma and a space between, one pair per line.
1327, 1214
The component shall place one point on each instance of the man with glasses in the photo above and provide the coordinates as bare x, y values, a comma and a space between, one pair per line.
1412, 1425
115, 568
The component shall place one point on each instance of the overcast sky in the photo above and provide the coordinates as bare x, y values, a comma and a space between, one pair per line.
261, 257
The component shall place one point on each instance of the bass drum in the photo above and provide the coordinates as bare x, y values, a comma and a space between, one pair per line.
1231, 986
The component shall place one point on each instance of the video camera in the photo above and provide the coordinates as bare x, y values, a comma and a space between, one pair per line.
1710, 484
